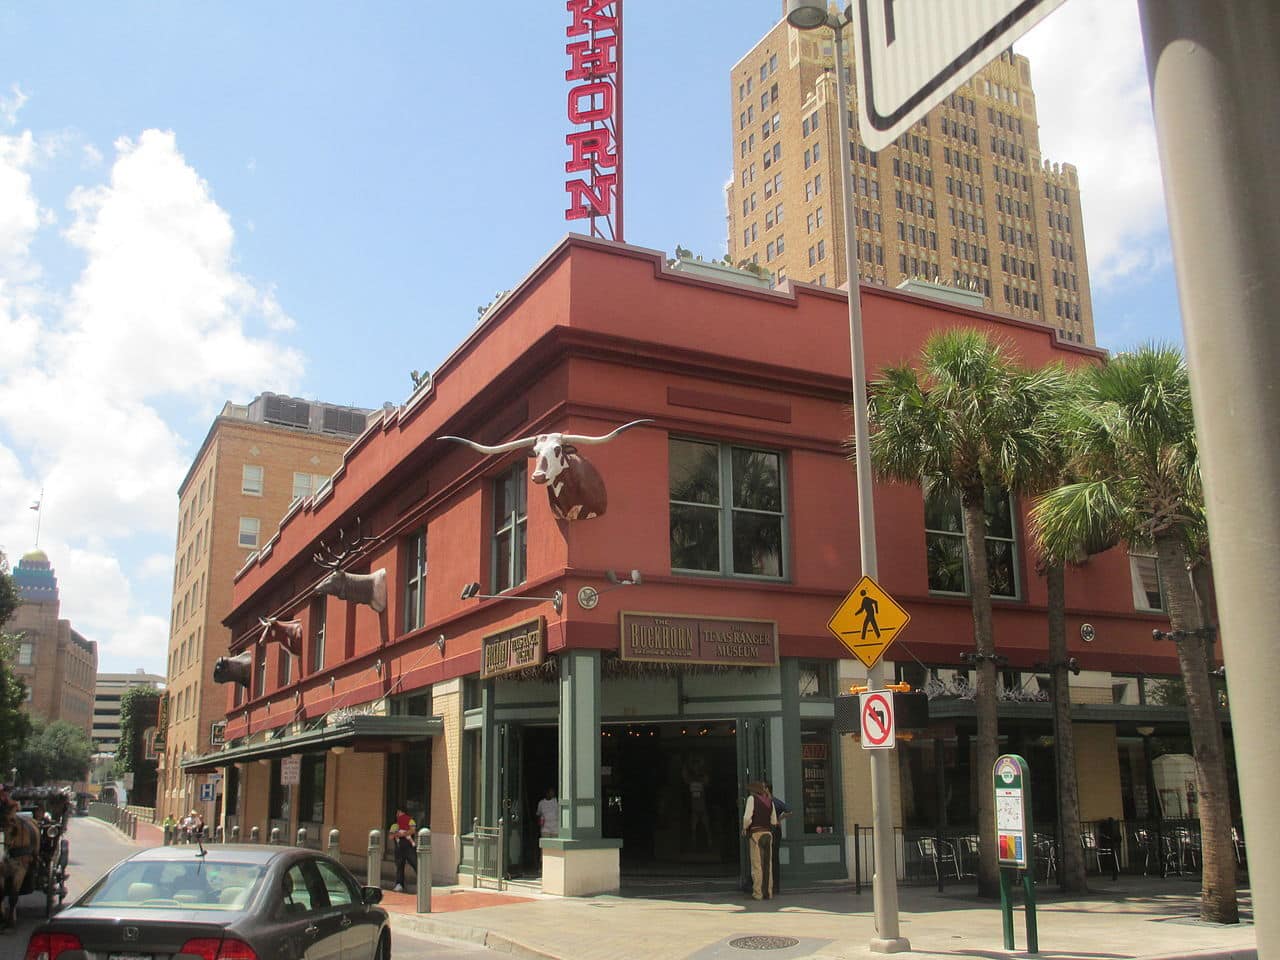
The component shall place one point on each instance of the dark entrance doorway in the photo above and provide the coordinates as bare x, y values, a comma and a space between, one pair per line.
536, 758
670, 793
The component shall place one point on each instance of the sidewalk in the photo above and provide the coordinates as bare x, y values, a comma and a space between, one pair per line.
1135, 917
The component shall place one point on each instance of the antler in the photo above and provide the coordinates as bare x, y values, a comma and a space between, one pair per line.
500, 448
333, 559
574, 438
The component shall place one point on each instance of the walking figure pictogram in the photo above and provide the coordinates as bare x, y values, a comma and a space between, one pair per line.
870, 606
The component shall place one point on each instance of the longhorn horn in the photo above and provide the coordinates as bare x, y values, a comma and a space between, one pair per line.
575, 438
500, 448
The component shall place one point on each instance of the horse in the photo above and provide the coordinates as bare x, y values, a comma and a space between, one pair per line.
21, 841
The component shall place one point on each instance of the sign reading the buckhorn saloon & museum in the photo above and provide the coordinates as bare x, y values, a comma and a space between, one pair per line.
513, 649
667, 638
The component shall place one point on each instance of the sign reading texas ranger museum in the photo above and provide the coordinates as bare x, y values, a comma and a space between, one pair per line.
662, 638
513, 649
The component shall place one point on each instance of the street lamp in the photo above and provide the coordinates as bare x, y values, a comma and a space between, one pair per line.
810, 15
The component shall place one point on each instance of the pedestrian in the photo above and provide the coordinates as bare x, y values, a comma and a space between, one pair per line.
402, 833
170, 824
758, 820
548, 817
197, 826
781, 810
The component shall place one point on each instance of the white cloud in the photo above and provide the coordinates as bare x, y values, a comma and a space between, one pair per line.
98, 381
91, 156
1090, 79
12, 104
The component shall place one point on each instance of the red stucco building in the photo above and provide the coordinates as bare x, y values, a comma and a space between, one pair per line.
735, 504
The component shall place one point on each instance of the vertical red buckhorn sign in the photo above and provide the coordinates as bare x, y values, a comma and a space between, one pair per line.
595, 110
878, 730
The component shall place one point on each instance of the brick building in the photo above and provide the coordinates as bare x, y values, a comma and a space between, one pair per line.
517, 651
256, 460
57, 664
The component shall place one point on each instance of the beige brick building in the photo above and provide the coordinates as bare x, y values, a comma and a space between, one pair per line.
964, 198
257, 460
57, 664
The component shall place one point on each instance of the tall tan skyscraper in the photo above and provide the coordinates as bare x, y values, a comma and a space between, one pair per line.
257, 459
965, 197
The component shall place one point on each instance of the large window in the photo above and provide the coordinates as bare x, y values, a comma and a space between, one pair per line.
1148, 589
251, 480
509, 505
317, 634
311, 788
260, 672
727, 512
944, 542
249, 527
284, 667
817, 778
26, 653
415, 581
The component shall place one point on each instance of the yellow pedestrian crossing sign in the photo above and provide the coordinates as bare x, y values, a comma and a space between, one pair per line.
868, 621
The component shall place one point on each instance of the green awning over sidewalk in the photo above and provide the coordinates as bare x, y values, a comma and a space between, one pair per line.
371, 733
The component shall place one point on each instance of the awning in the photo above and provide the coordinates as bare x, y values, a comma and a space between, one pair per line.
367, 733
1167, 718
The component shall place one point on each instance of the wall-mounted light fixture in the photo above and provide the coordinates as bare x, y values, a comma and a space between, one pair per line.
332, 683
440, 644
589, 597
473, 590
377, 666
1146, 731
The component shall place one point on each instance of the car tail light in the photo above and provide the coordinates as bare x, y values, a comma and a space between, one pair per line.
50, 946
215, 948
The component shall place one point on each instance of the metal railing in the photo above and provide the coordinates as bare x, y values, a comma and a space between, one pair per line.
487, 862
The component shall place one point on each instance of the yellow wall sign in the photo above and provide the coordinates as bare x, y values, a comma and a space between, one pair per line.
868, 621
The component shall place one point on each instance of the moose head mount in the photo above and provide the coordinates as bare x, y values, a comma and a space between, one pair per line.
370, 588
575, 489
287, 633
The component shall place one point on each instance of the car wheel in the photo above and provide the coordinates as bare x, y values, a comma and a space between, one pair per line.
384, 947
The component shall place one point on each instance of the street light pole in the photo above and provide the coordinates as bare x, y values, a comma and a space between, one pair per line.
809, 15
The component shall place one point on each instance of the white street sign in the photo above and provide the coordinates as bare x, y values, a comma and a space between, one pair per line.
290, 771
878, 728
912, 53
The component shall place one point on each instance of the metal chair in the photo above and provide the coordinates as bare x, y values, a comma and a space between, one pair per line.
1238, 842
1092, 848
1047, 854
938, 853
967, 852
1147, 844
1172, 854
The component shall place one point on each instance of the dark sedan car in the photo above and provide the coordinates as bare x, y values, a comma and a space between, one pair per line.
230, 902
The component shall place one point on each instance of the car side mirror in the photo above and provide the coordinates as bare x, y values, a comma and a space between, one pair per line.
371, 895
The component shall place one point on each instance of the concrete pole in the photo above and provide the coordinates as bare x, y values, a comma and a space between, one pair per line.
253, 834
373, 860
884, 889
422, 872
335, 849
1214, 70
235, 833
302, 837
274, 839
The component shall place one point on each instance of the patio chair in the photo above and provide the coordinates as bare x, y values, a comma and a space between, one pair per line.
1147, 844
1172, 855
1238, 842
968, 855
1047, 854
1092, 848
939, 853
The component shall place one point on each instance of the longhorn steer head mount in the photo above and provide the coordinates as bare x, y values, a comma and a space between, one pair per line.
575, 489
370, 588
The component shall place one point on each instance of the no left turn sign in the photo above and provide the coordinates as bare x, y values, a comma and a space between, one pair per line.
877, 721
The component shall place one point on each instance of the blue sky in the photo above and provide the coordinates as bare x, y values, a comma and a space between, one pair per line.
202, 201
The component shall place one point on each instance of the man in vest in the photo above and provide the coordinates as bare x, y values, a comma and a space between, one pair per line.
758, 820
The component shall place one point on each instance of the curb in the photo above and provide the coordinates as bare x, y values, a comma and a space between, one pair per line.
418, 923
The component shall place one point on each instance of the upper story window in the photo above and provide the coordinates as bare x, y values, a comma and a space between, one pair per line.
509, 529
249, 528
260, 671
317, 619
727, 512
1148, 587
944, 544
26, 653
415, 581
251, 480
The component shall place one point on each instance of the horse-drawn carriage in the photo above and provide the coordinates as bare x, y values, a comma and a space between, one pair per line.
33, 849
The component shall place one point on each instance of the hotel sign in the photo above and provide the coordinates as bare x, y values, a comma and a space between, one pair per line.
513, 649
595, 110
669, 638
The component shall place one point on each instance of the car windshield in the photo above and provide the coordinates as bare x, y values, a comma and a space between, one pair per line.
197, 884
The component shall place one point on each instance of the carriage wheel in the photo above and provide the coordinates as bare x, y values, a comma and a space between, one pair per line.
50, 888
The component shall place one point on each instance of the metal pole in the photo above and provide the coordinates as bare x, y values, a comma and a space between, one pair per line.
422, 872
1214, 69
373, 859
884, 889
475, 853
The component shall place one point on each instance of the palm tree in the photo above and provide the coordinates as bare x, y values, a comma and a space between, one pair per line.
967, 423
1139, 470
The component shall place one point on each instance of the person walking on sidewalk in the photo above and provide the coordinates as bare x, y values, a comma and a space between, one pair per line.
402, 833
758, 820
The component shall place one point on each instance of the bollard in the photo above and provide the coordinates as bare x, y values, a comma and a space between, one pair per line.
235, 833
302, 837
274, 839
422, 872
373, 864
475, 853
253, 834
218, 834
334, 850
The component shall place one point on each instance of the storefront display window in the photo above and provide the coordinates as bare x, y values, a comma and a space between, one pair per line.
818, 778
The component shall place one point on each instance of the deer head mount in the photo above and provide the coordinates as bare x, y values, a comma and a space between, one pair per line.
369, 588
575, 489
